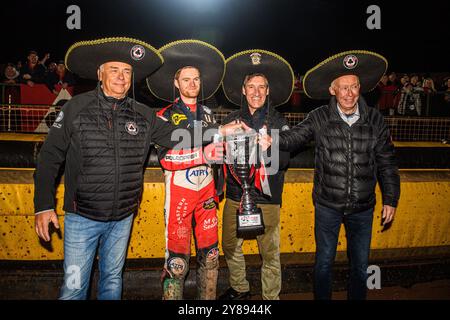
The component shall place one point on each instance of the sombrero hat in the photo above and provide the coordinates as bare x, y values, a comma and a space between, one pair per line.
368, 66
84, 57
276, 69
178, 54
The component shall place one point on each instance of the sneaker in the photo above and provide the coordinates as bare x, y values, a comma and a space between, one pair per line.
232, 294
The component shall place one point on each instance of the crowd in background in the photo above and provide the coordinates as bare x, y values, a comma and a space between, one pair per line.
35, 71
411, 95
395, 95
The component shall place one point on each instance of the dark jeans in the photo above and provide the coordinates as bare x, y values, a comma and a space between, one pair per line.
358, 229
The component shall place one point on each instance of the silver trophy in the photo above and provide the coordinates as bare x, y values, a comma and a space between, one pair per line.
241, 159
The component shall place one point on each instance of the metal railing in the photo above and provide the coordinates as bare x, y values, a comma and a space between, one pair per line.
27, 118
19, 118
38, 119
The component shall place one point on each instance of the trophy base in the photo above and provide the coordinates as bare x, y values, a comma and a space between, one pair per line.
249, 224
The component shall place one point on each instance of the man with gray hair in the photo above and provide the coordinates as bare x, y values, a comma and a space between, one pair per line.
104, 137
353, 150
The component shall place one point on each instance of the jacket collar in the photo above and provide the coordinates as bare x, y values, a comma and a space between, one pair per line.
334, 113
192, 117
109, 100
256, 120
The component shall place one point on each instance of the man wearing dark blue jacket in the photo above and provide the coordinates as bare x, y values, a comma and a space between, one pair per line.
103, 136
353, 150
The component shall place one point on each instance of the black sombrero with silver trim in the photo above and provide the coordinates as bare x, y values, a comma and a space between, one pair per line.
276, 69
85, 57
368, 66
178, 54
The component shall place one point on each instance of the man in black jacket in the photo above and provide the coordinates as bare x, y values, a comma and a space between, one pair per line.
104, 138
353, 149
33, 71
258, 112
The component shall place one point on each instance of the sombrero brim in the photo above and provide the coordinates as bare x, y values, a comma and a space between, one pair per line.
178, 54
84, 58
368, 66
276, 69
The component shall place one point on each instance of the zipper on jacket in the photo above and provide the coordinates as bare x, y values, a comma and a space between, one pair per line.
116, 160
349, 167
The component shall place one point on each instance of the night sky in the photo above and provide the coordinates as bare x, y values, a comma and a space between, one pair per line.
412, 37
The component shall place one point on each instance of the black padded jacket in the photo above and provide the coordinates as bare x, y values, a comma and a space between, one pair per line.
104, 143
349, 160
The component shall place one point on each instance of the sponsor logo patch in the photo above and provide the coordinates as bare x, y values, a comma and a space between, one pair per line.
182, 157
209, 223
178, 117
191, 173
181, 211
60, 116
132, 128
209, 204
256, 58
137, 52
182, 232
214, 252
58, 119
177, 265
350, 61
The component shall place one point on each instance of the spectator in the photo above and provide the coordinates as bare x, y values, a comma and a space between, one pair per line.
428, 86
414, 80
410, 103
392, 78
51, 68
429, 98
11, 75
446, 111
61, 76
384, 95
44, 60
32, 72
19, 65
444, 85
404, 80
395, 86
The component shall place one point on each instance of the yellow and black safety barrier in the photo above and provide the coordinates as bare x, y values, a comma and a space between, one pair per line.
422, 219
417, 241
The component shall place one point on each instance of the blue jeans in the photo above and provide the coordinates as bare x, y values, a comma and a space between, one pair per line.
82, 236
358, 229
